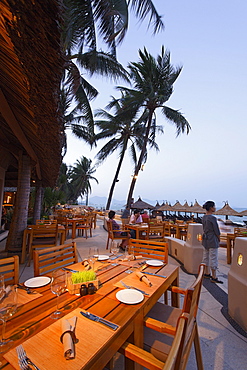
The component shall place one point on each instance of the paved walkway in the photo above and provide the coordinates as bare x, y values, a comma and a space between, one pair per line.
223, 342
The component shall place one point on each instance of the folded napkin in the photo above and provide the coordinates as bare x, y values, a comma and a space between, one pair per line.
86, 264
143, 278
133, 258
68, 337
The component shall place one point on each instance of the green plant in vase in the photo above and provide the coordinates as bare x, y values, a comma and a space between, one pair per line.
82, 276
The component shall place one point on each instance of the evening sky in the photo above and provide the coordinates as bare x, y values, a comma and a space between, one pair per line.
208, 38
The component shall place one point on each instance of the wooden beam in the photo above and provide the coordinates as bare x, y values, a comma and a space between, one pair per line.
17, 130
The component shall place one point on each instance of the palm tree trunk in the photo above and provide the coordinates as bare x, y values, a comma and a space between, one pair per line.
19, 220
37, 203
140, 160
115, 177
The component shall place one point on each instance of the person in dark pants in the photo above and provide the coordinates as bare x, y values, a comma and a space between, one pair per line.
210, 242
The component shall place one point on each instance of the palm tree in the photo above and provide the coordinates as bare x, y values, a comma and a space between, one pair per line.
122, 127
81, 175
84, 22
153, 81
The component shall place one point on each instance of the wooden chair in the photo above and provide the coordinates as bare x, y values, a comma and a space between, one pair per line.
114, 234
9, 268
47, 260
240, 231
42, 236
46, 222
149, 249
156, 232
62, 220
94, 219
173, 356
85, 224
163, 319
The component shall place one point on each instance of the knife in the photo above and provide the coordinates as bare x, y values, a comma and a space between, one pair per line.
115, 257
132, 287
95, 318
67, 269
151, 273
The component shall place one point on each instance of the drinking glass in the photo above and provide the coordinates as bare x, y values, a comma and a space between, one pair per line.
2, 286
114, 248
58, 286
93, 255
8, 306
128, 255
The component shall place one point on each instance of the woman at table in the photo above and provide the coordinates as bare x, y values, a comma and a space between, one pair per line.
115, 226
136, 218
210, 242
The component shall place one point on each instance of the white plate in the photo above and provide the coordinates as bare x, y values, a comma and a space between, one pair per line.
37, 282
102, 257
129, 296
154, 263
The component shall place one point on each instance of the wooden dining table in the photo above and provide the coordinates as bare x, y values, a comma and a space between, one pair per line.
75, 221
32, 326
139, 228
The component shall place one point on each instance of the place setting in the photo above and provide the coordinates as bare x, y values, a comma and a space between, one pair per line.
27, 291
135, 286
70, 338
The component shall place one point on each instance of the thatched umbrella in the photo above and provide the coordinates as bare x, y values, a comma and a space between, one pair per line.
165, 207
227, 211
196, 208
140, 204
243, 213
177, 207
187, 208
157, 206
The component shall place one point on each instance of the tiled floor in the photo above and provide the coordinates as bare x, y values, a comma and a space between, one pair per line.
223, 343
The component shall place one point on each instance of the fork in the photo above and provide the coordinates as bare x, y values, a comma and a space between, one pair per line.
132, 287
28, 290
24, 361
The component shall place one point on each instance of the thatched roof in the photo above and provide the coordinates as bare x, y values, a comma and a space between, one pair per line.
177, 207
227, 211
140, 204
243, 213
196, 208
165, 207
31, 66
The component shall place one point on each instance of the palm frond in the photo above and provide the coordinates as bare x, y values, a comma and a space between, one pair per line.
144, 7
99, 62
176, 117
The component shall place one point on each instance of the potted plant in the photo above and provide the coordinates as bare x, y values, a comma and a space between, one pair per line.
8, 218
76, 279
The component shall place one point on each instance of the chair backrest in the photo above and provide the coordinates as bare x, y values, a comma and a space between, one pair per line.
156, 231
149, 249
44, 234
177, 349
111, 233
49, 259
190, 308
9, 267
192, 295
46, 222
240, 231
